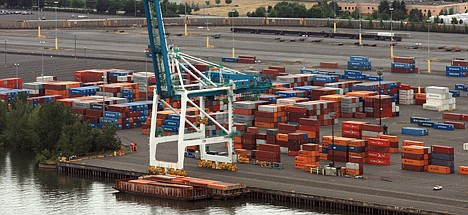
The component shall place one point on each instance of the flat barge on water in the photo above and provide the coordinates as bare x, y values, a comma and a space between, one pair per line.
180, 188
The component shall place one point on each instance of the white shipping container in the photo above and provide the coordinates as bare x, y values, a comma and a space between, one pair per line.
353, 166
465, 146
44, 78
437, 90
437, 96
268, 108
284, 102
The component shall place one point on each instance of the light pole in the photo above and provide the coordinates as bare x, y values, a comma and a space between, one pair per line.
42, 58
146, 74
360, 28
391, 32
56, 26
333, 139
74, 35
39, 25
185, 20
380, 73
104, 78
232, 32
84, 55
5, 54
16, 69
428, 48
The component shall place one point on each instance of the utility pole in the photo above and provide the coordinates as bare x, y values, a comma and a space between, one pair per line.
16, 66
42, 58
380, 73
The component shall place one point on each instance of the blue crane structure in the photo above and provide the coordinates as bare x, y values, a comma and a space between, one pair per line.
171, 69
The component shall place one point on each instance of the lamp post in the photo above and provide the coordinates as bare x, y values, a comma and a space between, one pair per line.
428, 48
232, 32
16, 69
74, 35
5, 54
360, 28
85, 55
380, 73
42, 57
333, 140
146, 74
391, 32
56, 26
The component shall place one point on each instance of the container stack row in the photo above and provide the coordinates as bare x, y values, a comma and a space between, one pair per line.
404, 65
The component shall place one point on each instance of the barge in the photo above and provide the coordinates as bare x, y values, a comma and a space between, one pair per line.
180, 188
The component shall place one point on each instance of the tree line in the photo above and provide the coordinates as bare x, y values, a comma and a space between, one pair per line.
52, 130
169, 9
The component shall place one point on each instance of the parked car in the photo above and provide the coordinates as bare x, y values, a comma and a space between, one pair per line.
82, 16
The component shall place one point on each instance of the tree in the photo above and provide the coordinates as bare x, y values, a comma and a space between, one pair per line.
384, 7
207, 2
460, 21
375, 14
381, 24
102, 6
259, 12
233, 14
415, 15
3, 118
454, 21
429, 14
269, 9
356, 14
78, 3
451, 11
218, 2
228, 1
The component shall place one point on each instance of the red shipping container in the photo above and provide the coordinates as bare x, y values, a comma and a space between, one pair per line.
379, 155
464, 117
378, 149
378, 142
415, 156
269, 147
442, 149
414, 168
378, 161
310, 147
452, 116
372, 127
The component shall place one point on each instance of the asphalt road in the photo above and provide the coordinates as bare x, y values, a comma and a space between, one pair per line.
406, 189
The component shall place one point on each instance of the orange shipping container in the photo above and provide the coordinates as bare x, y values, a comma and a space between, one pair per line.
304, 160
282, 137
412, 143
463, 170
415, 149
353, 172
392, 139
265, 125
304, 153
414, 162
323, 156
438, 169
237, 139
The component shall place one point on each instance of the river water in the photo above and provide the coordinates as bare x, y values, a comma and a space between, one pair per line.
25, 189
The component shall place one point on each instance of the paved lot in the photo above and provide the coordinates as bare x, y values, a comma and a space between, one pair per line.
407, 189
50, 15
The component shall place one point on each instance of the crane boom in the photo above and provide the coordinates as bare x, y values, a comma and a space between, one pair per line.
158, 47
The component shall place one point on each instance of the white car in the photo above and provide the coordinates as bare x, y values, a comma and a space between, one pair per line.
82, 16
438, 187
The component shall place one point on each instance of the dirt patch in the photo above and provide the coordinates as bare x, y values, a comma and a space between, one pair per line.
243, 6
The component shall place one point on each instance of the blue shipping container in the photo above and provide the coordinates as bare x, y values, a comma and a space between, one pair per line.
456, 69
358, 58
442, 126
455, 93
353, 73
415, 119
403, 65
415, 131
428, 124
229, 59
444, 157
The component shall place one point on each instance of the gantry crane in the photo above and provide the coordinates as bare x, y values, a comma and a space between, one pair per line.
171, 68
